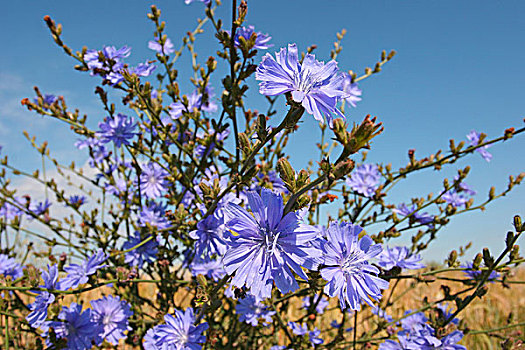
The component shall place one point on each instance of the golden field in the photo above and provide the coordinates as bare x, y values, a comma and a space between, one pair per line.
489, 313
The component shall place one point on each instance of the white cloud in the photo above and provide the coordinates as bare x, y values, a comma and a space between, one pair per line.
10, 82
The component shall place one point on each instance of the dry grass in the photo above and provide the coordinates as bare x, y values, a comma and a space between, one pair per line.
490, 312
483, 314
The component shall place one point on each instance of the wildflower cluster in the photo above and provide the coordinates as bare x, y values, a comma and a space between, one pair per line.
189, 228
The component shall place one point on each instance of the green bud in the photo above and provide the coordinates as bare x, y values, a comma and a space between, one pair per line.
343, 168
206, 190
362, 134
286, 173
518, 225
325, 166
391, 55
211, 63
302, 201
492, 193
245, 143
303, 178
452, 146
477, 261
487, 259
453, 256
262, 132
510, 239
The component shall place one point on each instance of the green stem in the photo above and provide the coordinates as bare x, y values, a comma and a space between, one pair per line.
496, 329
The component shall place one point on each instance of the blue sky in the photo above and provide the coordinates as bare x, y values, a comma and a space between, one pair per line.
459, 67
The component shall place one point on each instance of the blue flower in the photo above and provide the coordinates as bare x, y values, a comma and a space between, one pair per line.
302, 329
9, 211
454, 198
250, 310
297, 328
165, 49
47, 100
116, 54
352, 91
413, 323
317, 86
76, 200
97, 151
365, 179
138, 256
203, 150
399, 256
78, 274
270, 180
153, 180
209, 236
38, 314
213, 269
10, 267
76, 327
321, 304
143, 69
268, 246
111, 314
119, 129
349, 273
422, 218
40, 208
476, 274
314, 337
179, 333
119, 189
110, 66
195, 100
403, 344
155, 215
425, 338
474, 138
449, 342
261, 42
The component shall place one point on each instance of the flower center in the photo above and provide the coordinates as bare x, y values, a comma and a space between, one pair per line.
270, 240
353, 262
106, 319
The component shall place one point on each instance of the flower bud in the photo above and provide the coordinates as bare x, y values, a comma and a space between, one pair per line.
487, 259
477, 261
245, 143
303, 178
518, 225
343, 168
453, 256
286, 173
211, 63
262, 132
